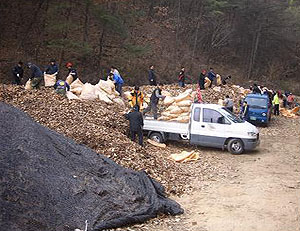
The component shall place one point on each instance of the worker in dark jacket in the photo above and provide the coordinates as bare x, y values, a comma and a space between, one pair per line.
245, 111
181, 78
152, 76
156, 95
211, 75
201, 80
136, 124
61, 87
72, 74
52, 69
18, 72
255, 89
36, 75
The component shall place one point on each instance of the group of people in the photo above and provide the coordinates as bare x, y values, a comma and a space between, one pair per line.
61, 86
135, 117
205, 80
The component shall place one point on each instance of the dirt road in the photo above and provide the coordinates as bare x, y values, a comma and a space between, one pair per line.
262, 193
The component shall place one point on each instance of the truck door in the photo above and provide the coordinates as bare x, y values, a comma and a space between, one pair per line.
210, 131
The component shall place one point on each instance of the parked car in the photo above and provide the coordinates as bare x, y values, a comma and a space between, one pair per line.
260, 109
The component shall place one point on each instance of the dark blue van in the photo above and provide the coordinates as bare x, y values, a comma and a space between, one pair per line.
260, 108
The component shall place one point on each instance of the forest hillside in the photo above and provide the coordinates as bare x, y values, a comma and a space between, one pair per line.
253, 40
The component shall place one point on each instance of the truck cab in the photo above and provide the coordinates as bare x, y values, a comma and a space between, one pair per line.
259, 109
215, 126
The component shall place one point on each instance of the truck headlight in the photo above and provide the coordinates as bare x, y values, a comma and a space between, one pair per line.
253, 134
264, 114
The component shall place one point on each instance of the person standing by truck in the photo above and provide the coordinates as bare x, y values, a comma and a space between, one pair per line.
136, 98
245, 111
228, 103
154, 99
275, 103
136, 123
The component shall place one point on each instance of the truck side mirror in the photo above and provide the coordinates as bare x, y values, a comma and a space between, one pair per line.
221, 120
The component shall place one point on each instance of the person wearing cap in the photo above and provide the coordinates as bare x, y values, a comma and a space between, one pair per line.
72, 74
154, 99
117, 79
36, 75
228, 103
136, 98
18, 72
136, 124
61, 87
50, 74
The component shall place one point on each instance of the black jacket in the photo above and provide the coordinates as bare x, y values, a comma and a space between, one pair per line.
135, 120
151, 75
156, 95
18, 70
51, 69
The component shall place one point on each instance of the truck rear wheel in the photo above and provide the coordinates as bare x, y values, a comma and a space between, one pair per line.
235, 146
157, 137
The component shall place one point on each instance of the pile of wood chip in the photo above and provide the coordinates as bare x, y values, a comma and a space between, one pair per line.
103, 128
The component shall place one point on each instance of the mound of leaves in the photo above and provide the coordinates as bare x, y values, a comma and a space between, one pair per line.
101, 127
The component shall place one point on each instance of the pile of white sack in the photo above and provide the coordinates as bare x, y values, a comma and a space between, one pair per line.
179, 107
104, 91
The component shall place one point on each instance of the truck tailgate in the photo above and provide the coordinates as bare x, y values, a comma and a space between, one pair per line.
166, 126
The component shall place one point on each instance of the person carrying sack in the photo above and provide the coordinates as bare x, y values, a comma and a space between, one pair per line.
72, 74
50, 74
154, 99
36, 75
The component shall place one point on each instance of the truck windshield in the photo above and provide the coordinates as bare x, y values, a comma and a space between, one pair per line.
257, 102
231, 116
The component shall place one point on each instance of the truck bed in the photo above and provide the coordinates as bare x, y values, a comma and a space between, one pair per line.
166, 126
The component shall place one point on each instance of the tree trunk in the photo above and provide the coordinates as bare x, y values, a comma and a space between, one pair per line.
254, 51
86, 21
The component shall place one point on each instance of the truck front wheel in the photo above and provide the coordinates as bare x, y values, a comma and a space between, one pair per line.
157, 137
235, 146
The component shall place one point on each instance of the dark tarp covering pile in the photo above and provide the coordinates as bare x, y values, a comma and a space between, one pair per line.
48, 182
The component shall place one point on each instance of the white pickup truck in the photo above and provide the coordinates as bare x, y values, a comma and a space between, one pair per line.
210, 125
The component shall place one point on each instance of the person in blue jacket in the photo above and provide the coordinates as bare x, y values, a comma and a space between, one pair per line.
117, 79
36, 75
211, 75
61, 87
52, 68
